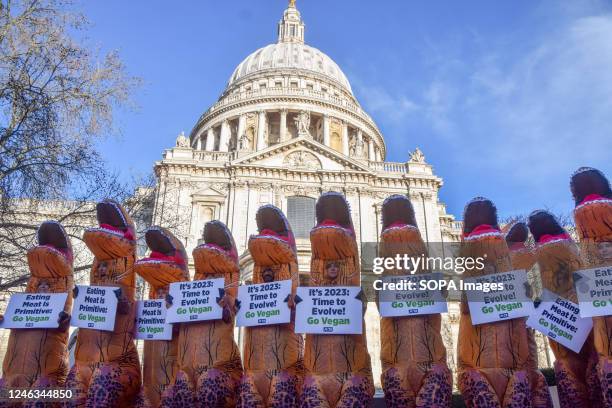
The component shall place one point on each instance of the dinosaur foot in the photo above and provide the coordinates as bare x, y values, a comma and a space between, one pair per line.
477, 391
396, 396
518, 392
604, 372
248, 397
312, 394
284, 390
572, 392
76, 384
215, 389
179, 394
357, 392
437, 388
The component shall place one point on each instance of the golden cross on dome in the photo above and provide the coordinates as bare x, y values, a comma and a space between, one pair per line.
291, 3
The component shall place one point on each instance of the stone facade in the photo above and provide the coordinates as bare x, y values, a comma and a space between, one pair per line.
288, 126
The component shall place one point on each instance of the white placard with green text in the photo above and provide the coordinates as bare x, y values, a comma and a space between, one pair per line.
151, 320
263, 304
397, 303
95, 307
329, 310
195, 301
511, 302
594, 290
34, 311
559, 319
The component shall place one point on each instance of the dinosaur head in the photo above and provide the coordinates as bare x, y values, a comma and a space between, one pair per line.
400, 234
482, 237
556, 251
273, 248
334, 247
52, 257
521, 254
593, 213
217, 257
114, 237
166, 263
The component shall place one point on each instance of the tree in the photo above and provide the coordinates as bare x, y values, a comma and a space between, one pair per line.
57, 98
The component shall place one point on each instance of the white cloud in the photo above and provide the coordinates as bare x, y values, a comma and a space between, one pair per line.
380, 101
530, 118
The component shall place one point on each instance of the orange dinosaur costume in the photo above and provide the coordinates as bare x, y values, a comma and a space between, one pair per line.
558, 258
273, 354
37, 358
523, 257
166, 264
106, 372
493, 357
338, 368
209, 366
413, 355
593, 215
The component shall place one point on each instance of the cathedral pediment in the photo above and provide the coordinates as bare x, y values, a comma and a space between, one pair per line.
302, 153
209, 193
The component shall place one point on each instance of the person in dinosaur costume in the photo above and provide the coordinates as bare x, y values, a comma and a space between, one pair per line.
338, 368
273, 354
37, 358
558, 258
593, 216
106, 372
523, 257
493, 357
209, 366
166, 264
415, 373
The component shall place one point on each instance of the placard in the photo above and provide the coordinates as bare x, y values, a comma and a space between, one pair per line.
264, 304
151, 320
394, 303
594, 290
511, 302
34, 311
559, 319
195, 300
329, 310
95, 307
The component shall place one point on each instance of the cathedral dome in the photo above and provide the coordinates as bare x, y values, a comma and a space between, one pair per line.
290, 55
284, 91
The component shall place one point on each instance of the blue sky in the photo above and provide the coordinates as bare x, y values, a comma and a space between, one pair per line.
506, 99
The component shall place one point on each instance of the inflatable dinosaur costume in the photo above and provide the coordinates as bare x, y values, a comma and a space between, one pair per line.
523, 257
558, 258
593, 215
493, 357
338, 368
106, 372
37, 358
166, 264
209, 366
413, 355
273, 355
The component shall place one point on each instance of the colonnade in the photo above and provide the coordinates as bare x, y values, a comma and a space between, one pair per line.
226, 135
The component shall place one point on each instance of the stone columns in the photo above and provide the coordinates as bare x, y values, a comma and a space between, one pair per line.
199, 142
377, 154
210, 139
326, 130
241, 125
283, 125
225, 136
345, 138
371, 149
261, 128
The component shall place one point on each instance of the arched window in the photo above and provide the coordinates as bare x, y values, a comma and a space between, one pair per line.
301, 215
